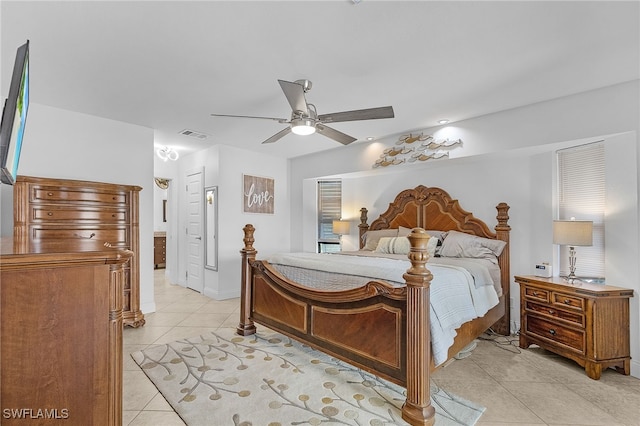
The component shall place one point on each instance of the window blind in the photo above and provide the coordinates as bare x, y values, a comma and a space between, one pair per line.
329, 209
581, 195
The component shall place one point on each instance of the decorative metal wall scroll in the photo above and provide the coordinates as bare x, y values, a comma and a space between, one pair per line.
416, 147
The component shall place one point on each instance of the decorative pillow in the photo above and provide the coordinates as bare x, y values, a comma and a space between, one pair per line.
459, 244
401, 245
439, 235
393, 245
371, 238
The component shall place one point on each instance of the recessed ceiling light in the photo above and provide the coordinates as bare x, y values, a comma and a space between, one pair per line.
369, 138
443, 121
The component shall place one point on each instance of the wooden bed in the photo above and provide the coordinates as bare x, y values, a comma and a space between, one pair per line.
377, 327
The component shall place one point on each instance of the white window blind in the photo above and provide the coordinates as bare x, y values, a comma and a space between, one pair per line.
329, 209
581, 193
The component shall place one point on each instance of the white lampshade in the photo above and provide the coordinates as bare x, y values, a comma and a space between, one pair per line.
573, 232
341, 227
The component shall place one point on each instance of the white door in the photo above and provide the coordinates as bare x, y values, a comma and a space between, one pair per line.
195, 248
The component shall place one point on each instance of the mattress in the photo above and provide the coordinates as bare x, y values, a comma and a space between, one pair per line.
460, 291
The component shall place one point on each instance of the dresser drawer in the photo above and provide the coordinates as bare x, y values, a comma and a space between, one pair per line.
536, 293
573, 317
555, 332
40, 213
116, 236
51, 194
567, 301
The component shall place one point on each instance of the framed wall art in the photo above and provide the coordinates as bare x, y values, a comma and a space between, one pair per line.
258, 194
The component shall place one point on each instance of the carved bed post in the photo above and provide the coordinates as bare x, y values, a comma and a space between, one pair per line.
502, 326
417, 409
364, 226
246, 325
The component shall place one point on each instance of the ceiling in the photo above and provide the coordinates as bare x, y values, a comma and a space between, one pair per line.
168, 65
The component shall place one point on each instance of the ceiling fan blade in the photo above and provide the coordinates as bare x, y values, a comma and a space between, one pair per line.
334, 134
295, 95
279, 135
359, 114
279, 120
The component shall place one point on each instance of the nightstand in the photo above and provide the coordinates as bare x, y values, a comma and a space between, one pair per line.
588, 323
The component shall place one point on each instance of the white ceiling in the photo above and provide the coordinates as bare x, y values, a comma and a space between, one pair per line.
168, 65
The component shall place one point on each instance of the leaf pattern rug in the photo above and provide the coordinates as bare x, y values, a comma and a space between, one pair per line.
268, 379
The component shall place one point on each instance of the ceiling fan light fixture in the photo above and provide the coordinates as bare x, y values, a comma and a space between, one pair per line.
303, 126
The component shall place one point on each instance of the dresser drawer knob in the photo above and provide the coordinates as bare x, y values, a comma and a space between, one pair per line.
50, 194
567, 301
552, 332
49, 214
535, 293
551, 311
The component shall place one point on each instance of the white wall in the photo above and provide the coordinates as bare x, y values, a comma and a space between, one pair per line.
507, 156
224, 167
68, 145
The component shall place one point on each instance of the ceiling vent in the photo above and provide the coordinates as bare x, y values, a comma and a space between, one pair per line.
193, 134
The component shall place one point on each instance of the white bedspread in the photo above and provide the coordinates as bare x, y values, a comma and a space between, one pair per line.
455, 299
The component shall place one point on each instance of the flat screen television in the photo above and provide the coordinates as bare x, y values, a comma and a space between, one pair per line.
14, 117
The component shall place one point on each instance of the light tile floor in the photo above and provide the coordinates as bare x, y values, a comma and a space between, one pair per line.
518, 387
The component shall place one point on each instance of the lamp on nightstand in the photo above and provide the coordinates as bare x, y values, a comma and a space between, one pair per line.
572, 233
341, 227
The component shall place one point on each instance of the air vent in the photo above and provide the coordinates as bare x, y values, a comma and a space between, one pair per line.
193, 134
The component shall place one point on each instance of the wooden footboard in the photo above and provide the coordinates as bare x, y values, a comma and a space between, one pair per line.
379, 328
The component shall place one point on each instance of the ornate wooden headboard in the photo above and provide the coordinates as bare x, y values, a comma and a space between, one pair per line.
433, 208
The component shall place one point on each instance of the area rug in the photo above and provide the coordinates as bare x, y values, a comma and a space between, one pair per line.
221, 378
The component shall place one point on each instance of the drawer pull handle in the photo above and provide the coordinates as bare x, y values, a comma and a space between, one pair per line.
50, 194
49, 214
567, 301
535, 293
551, 311
93, 234
552, 332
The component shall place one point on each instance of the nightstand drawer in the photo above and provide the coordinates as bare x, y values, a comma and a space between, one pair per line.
555, 332
565, 300
556, 313
536, 293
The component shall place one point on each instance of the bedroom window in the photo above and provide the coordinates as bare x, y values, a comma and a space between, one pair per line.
581, 194
329, 209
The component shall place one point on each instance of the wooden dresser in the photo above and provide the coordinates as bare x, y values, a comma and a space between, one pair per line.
67, 210
61, 333
588, 323
159, 249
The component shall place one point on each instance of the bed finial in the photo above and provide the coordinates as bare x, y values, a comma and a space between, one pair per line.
248, 236
364, 226
418, 255
503, 217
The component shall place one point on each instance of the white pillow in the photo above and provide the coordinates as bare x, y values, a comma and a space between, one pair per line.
459, 244
371, 238
393, 245
401, 245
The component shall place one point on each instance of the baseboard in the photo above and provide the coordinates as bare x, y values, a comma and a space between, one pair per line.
635, 368
221, 295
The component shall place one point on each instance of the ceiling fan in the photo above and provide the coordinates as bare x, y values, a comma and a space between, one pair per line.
305, 119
